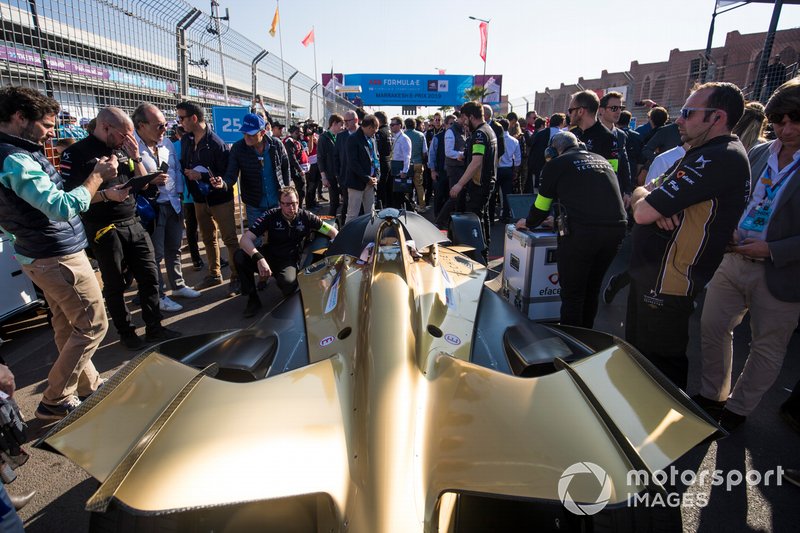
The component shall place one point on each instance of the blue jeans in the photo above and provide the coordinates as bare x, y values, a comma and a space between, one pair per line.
166, 238
253, 213
10, 521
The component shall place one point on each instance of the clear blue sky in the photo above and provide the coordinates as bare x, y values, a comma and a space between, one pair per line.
532, 43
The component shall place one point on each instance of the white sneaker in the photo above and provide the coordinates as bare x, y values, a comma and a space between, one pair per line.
168, 305
186, 292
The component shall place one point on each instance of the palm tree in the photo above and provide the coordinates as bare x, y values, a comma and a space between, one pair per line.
445, 109
477, 92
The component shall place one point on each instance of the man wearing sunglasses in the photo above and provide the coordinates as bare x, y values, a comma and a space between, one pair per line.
156, 151
683, 226
610, 109
591, 132
204, 159
286, 229
116, 236
759, 273
351, 121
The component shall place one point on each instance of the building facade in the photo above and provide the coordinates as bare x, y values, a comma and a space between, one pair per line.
668, 83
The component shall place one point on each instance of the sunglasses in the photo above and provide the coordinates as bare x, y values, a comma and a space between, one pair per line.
686, 112
777, 118
615, 108
395, 124
160, 126
571, 109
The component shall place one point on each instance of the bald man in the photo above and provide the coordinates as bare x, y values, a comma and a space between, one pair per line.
115, 234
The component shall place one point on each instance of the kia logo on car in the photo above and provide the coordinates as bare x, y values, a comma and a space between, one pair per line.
452, 339
326, 341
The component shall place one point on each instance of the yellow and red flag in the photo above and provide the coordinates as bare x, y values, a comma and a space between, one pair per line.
274, 27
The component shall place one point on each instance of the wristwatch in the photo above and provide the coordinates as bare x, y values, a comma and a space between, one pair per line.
136, 159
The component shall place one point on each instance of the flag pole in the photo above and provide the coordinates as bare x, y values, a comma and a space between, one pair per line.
315, 70
283, 74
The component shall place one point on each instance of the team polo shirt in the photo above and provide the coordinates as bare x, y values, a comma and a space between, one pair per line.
483, 142
79, 160
586, 187
602, 141
708, 190
285, 239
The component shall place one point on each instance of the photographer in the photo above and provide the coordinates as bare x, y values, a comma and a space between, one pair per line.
591, 223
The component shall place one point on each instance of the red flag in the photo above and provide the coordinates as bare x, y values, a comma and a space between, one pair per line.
484, 39
441, 71
308, 38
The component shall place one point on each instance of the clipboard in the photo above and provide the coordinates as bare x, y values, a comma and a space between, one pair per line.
139, 182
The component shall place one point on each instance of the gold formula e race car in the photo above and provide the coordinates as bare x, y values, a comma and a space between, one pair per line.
395, 392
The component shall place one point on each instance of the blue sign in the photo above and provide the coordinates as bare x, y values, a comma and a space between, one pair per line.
410, 89
227, 121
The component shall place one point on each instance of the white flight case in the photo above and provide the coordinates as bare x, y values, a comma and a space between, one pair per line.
17, 292
530, 273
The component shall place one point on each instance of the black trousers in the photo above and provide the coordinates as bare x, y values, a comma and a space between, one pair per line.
299, 181
312, 185
505, 180
477, 201
128, 245
427, 183
284, 270
658, 326
334, 194
384, 192
583, 259
442, 188
190, 220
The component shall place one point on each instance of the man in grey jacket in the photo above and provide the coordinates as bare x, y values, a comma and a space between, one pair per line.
759, 273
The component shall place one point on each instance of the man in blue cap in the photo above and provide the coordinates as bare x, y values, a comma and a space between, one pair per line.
260, 163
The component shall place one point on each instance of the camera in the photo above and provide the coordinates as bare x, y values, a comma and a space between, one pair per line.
638, 102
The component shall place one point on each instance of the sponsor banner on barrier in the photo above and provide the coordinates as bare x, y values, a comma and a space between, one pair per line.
410, 89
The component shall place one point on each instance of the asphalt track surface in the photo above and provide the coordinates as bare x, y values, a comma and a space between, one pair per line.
763, 443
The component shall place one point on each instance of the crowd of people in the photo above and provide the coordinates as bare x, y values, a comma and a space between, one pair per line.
712, 203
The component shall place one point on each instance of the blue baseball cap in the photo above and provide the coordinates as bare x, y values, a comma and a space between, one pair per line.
252, 124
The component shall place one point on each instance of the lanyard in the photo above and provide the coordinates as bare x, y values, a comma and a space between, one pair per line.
770, 189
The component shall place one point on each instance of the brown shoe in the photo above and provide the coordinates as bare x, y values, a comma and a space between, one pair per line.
208, 282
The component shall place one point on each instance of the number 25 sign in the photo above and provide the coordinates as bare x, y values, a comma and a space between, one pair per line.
227, 120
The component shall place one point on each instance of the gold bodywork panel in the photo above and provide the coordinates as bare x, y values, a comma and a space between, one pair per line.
389, 415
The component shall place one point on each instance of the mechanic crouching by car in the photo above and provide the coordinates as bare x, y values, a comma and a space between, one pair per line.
285, 230
590, 220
